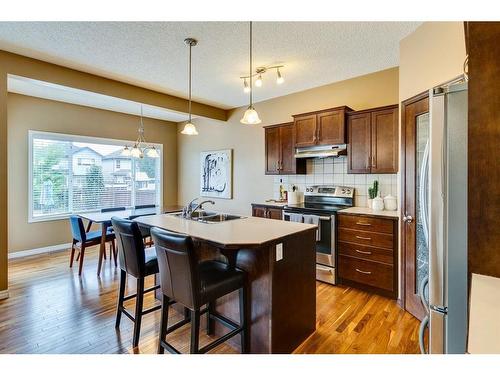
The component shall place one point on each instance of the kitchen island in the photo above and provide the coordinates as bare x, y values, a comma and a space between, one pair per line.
279, 258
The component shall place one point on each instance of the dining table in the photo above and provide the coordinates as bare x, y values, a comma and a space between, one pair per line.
104, 220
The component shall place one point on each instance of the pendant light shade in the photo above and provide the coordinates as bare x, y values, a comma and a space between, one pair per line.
250, 117
189, 128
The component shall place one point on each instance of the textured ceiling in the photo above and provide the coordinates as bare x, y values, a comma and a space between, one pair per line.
153, 55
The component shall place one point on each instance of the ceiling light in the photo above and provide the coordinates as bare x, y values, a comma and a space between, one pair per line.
279, 78
250, 116
189, 128
140, 146
246, 88
258, 81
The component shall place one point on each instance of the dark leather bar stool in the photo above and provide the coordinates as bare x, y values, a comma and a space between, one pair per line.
137, 262
194, 285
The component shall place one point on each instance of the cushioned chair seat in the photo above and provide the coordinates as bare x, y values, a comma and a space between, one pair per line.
217, 280
96, 235
151, 261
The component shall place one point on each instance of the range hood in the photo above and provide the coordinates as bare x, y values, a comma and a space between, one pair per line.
320, 151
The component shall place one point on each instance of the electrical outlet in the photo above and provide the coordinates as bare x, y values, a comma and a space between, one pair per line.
279, 252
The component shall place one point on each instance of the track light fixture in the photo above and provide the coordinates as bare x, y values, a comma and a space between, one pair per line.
259, 72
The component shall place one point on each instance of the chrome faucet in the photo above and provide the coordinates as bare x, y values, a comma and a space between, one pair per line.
188, 209
199, 205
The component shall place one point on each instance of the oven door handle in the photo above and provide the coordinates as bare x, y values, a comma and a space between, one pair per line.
324, 218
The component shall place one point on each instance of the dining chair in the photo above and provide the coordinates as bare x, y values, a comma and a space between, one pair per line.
145, 230
113, 249
137, 262
194, 284
83, 239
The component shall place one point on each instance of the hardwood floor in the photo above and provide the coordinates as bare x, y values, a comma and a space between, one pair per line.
52, 310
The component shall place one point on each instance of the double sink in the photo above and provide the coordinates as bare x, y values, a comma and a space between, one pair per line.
209, 217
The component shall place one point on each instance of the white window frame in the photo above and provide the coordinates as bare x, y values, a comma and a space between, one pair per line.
32, 134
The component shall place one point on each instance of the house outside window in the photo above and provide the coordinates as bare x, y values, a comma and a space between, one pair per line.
71, 174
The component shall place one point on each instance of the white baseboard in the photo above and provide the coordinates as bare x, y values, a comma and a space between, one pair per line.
40, 250
4, 294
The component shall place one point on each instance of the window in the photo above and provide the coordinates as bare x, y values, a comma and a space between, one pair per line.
71, 174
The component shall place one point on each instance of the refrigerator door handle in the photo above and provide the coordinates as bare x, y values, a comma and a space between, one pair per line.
437, 199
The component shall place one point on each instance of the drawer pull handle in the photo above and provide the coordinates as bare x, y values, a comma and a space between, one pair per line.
365, 272
361, 223
364, 252
364, 238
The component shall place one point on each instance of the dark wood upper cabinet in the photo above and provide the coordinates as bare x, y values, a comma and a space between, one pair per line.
280, 150
325, 127
385, 141
359, 145
272, 136
305, 130
373, 140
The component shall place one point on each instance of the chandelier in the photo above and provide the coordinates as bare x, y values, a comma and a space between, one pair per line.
141, 147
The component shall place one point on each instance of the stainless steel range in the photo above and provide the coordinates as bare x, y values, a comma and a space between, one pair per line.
321, 203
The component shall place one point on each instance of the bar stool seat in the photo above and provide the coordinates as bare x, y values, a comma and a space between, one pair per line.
217, 280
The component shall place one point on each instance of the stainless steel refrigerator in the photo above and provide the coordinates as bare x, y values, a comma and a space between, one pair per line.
446, 211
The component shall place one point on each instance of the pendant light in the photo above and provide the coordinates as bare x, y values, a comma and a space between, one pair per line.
250, 116
141, 147
189, 128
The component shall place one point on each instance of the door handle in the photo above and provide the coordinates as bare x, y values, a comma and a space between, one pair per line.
407, 219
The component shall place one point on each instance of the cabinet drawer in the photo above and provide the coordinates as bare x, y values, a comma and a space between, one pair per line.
366, 238
375, 274
365, 223
366, 252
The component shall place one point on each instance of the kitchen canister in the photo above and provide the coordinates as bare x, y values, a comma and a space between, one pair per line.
294, 197
390, 203
378, 204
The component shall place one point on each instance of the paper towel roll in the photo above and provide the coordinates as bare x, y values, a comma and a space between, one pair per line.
294, 197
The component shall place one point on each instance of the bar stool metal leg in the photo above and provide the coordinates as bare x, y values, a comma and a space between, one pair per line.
163, 323
138, 311
243, 320
195, 331
121, 295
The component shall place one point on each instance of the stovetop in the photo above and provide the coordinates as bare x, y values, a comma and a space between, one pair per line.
324, 199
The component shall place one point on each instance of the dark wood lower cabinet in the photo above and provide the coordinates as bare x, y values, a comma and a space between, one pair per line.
367, 253
268, 212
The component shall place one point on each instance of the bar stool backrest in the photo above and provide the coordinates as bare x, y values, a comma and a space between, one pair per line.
130, 246
177, 263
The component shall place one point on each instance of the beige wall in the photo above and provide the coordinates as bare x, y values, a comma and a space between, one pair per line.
432, 54
250, 184
28, 113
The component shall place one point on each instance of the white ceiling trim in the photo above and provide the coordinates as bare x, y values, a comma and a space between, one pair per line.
46, 90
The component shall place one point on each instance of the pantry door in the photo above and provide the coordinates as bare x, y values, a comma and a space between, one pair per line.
414, 204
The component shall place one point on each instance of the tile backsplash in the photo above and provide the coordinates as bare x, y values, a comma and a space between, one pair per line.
333, 171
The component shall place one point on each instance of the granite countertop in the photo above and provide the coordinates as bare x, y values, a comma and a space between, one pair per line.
370, 212
250, 231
